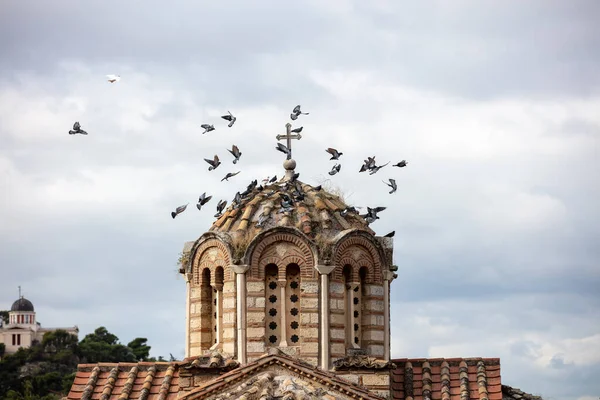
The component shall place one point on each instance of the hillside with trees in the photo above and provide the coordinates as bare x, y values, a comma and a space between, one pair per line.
46, 370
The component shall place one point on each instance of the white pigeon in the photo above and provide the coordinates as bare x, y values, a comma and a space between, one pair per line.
113, 78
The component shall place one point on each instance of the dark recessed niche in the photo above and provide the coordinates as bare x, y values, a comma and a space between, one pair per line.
273, 325
294, 325
215, 302
294, 338
294, 285
273, 285
272, 338
294, 311
272, 312
215, 315
215, 328
356, 339
356, 289
355, 327
294, 298
355, 314
272, 298
356, 300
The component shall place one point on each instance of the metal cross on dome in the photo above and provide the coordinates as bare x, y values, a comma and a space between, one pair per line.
289, 136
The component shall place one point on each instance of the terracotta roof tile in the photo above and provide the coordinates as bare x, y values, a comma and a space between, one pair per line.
445, 379
107, 381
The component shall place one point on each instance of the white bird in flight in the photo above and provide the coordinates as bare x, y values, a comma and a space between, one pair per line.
113, 78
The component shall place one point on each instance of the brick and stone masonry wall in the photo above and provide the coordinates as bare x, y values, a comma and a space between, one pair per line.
309, 321
229, 317
337, 321
200, 321
377, 381
372, 320
255, 319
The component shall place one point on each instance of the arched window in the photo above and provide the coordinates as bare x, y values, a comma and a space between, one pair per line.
272, 306
361, 309
217, 305
292, 290
206, 308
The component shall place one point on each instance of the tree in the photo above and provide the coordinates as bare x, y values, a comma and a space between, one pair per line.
140, 349
103, 346
4, 317
2, 349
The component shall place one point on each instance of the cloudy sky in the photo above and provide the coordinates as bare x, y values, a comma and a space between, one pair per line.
494, 104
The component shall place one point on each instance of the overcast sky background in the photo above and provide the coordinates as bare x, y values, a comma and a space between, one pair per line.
495, 105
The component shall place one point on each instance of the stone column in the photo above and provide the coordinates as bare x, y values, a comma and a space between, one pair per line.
351, 308
388, 277
324, 271
240, 281
188, 278
282, 284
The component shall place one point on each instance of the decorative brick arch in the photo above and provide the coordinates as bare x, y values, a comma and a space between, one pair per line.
211, 253
369, 256
264, 252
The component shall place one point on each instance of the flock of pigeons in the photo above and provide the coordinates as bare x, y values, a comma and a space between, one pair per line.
287, 202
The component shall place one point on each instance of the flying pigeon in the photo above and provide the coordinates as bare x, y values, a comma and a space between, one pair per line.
334, 153
375, 168
390, 235
113, 78
335, 169
220, 207
283, 148
77, 129
296, 113
369, 164
297, 130
392, 184
400, 164
178, 211
229, 175
371, 215
207, 128
214, 163
202, 200
229, 118
236, 153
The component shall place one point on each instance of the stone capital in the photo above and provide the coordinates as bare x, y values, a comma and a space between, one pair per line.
324, 269
217, 286
240, 269
389, 276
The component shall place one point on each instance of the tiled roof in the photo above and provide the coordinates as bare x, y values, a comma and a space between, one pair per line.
144, 380
447, 379
234, 382
319, 211
509, 393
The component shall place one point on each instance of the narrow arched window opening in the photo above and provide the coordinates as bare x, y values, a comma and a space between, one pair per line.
272, 306
292, 306
217, 306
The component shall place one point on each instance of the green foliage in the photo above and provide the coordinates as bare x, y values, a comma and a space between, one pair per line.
4, 316
46, 370
140, 349
2, 349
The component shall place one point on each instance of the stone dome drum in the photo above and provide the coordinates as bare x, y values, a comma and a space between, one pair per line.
22, 305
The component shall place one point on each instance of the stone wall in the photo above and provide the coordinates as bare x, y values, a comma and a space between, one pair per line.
376, 380
229, 318
372, 320
255, 319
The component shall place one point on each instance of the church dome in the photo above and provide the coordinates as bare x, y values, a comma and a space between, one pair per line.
319, 212
22, 305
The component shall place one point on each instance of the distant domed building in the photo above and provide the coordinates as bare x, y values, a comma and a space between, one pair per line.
288, 298
22, 329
